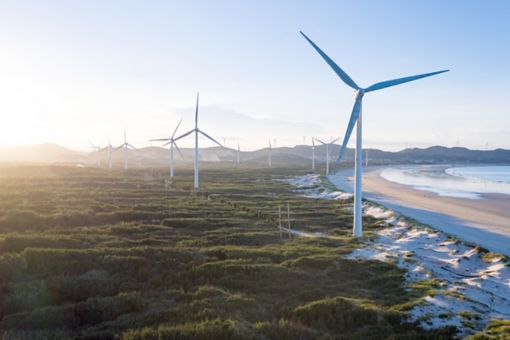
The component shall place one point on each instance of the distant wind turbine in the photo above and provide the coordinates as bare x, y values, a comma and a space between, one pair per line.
172, 142
356, 119
125, 146
108, 148
196, 130
95, 151
327, 151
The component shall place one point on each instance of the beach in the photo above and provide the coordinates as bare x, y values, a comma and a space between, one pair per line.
484, 221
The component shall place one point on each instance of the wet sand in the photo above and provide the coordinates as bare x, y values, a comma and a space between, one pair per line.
490, 210
484, 221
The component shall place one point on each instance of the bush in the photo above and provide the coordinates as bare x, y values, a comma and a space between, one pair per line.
23, 220
12, 267
335, 314
90, 312
207, 330
18, 242
285, 330
59, 261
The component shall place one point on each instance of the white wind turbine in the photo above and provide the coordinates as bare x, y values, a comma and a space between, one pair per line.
172, 142
95, 151
109, 153
327, 151
356, 119
196, 130
126, 146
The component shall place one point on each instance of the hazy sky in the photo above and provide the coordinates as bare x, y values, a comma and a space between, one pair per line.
78, 71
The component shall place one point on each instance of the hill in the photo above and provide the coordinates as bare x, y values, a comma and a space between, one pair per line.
299, 155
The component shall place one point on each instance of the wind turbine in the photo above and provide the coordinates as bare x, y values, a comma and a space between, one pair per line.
172, 141
126, 146
196, 130
109, 152
95, 151
356, 119
327, 151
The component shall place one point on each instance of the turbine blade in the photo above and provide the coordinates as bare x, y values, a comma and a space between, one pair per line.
388, 83
345, 78
173, 134
170, 142
354, 116
132, 147
207, 136
318, 140
333, 141
118, 147
183, 135
178, 150
160, 139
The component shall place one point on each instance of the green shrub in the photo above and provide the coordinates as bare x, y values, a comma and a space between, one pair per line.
18, 242
205, 330
12, 267
335, 314
20, 220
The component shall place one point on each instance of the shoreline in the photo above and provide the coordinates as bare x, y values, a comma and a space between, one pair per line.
484, 221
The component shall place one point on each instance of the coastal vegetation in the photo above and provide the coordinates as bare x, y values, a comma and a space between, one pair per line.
95, 255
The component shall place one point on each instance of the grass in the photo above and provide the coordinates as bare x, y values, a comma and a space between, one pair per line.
93, 255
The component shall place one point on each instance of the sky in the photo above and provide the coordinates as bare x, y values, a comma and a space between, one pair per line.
80, 72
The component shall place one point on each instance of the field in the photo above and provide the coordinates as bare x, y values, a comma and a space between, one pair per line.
92, 255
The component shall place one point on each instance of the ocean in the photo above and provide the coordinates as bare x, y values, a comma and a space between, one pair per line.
465, 182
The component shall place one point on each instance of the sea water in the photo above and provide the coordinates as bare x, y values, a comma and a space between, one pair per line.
464, 182
498, 174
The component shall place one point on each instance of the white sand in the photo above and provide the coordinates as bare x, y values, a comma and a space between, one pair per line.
470, 287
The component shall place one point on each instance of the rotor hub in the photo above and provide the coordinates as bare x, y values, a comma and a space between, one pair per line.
359, 93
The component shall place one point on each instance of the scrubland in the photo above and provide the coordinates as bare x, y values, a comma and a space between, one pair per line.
89, 254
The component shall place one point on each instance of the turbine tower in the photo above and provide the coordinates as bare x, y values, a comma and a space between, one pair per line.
196, 130
172, 142
95, 151
327, 151
125, 146
356, 119
109, 153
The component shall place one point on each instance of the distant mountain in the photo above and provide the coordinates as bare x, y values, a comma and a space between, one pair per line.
41, 153
299, 155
